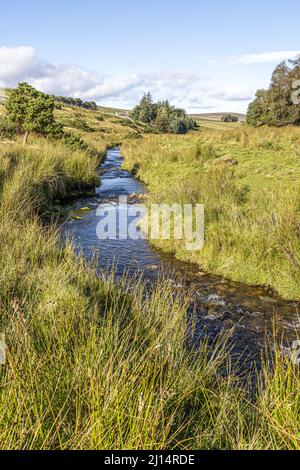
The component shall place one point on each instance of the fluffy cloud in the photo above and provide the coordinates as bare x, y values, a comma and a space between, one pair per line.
264, 58
15, 62
184, 88
232, 93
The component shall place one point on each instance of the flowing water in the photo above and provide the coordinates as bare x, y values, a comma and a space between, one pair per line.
250, 313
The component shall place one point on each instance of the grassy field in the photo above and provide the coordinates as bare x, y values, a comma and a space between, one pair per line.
95, 365
217, 116
214, 124
249, 181
98, 126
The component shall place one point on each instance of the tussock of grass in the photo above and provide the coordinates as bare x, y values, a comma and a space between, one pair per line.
249, 181
42, 172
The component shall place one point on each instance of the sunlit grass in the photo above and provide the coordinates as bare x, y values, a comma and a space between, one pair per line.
249, 181
94, 364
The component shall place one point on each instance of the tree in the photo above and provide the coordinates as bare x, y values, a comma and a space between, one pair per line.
276, 106
256, 110
146, 110
162, 121
178, 126
32, 111
166, 118
230, 118
278, 97
90, 105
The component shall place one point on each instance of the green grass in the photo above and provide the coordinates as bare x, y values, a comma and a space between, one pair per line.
91, 365
96, 365
252, 206
98, 128
42, 173
212, 124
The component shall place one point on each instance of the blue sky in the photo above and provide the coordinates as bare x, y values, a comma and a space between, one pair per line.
205, 56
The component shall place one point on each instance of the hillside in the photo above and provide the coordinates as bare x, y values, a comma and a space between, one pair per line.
217, 116
102, 124
100, 128
206, 120
2, 96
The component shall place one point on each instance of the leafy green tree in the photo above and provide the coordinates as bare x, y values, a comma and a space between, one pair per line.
178, 126
32, 111
146, 110
230, 118
278, 97
162, 121
256, 115
90, 105
275, 106
163, 116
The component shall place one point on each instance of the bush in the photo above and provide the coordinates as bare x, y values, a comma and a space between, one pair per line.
230, 118
79, 124
7, 129
74, 142
178, 126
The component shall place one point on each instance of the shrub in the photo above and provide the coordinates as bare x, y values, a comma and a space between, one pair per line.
178, 126
32, 111
79, 124
69, 101
75, 142
230, 118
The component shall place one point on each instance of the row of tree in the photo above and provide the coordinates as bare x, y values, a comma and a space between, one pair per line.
164, 117
279, 105
69, 101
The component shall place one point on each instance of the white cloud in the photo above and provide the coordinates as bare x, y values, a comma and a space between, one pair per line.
185, 88
263, 58
240, 93
15, 61
112, 87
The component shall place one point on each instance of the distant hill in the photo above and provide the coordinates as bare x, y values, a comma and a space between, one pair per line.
121, 112
114, 111
200, 116
217, 116
2, 95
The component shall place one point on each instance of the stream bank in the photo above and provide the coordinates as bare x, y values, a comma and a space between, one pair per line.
250, 314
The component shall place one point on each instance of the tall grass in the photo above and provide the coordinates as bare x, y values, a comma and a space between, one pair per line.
92, 365
95, 365
35, 176
249, 181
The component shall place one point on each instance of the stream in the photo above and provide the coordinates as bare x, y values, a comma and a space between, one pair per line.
248, 312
